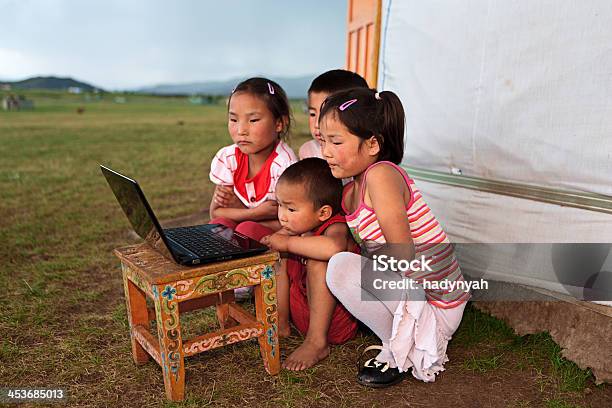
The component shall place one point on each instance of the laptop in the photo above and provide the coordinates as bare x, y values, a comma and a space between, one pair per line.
198, 244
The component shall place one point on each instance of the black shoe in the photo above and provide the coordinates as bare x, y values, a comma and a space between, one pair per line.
377, 374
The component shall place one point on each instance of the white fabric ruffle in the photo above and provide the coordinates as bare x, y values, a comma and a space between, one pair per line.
420, 336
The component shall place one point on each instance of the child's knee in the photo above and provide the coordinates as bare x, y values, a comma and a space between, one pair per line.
338, 270
315, 266
223, 221
253, 230
281, 268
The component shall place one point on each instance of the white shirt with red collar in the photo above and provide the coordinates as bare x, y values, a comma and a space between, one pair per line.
230, 167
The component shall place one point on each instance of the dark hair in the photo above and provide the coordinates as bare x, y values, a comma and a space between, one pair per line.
337, 80
321, 187
272, 94
378, 114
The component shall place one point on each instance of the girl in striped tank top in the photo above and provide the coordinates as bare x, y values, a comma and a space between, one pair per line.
363, 137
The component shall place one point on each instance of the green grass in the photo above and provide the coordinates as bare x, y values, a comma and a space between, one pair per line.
555, 403
483, 364
63, 317
541, 346
537, 349
477, 327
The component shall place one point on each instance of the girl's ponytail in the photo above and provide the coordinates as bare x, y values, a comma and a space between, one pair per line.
367, 113
392, 127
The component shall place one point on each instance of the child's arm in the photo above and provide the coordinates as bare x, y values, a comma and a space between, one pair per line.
321, 248
220, 200
386, 190
224, 202
224, 196
268, 210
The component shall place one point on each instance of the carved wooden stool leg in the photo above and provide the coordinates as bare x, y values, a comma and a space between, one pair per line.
170, 342
136, 303
267, 315
223, 313
223, 316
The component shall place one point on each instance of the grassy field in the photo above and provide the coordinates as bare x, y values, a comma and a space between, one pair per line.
63, 316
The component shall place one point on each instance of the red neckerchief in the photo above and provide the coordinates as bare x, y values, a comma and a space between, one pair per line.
261, 181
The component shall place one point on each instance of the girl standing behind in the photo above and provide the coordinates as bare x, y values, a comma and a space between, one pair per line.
245, 173
363, 137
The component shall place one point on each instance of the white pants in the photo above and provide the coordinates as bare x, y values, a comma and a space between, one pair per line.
424, 330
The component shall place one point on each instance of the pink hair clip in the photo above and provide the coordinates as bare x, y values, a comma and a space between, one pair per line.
270, 89
347, 104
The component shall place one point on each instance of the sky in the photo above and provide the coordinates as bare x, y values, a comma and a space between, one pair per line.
126, 44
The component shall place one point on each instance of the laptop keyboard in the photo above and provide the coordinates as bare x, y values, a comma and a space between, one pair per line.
202, 242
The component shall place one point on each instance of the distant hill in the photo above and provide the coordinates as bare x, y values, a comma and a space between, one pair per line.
295, 87
53, 83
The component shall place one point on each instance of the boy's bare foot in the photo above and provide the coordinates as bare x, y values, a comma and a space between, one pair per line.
305, 356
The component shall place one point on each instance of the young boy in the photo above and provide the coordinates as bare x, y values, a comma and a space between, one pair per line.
309, 206
321, 87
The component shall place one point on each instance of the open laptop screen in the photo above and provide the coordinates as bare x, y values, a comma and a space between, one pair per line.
134, 205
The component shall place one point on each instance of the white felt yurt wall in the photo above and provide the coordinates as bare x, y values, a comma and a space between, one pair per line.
516, 91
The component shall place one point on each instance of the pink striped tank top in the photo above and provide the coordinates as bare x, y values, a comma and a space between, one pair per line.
429, 240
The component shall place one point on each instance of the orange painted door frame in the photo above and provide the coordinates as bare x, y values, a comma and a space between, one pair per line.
363, 38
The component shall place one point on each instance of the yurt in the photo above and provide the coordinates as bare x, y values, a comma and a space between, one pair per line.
509, 137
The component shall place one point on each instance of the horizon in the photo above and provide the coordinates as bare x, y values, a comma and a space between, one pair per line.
139, 88
161, 44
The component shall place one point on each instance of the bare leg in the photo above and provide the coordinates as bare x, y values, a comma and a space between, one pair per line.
282, 292
321, 304
344, 278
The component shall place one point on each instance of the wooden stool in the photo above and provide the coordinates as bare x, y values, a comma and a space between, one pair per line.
175, 289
